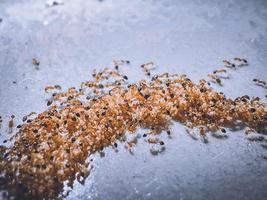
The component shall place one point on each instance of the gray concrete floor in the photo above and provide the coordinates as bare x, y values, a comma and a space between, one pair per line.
185, 36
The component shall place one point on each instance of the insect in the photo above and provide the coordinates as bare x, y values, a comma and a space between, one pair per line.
219, 71
155, 150
147, 67
249, 130
49, 102
54, 3
202, 131
54, 87
115, 145
120, 62
35, 62
241, 60
1, 120
152, 141
252, 110
228, 64
58, 87
215, 79
223, 130
31, 113
11, 123
132, 143
259, 82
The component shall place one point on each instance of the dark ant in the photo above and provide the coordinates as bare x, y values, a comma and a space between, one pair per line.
228, 64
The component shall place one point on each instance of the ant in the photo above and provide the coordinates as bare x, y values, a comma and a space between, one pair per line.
215, 79
242, 61
259, 82
228, 64
11, 123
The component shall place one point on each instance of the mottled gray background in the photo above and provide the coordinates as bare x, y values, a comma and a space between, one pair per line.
185, 36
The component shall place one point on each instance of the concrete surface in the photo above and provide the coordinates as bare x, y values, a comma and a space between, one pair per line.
185, 36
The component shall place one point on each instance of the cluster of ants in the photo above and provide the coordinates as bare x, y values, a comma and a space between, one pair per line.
53, 146
219, 74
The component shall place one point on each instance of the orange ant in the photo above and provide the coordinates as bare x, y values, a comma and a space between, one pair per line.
215, 79
11, 123
55, 87
219, 71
